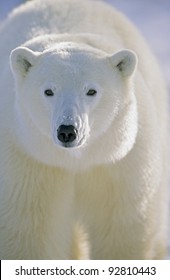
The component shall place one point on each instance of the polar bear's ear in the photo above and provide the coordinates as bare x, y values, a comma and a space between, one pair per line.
125, 61
21, 60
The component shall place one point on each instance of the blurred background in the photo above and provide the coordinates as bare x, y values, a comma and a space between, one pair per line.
152, 17
153, 20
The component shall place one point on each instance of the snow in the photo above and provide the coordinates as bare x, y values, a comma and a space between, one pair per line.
152, 18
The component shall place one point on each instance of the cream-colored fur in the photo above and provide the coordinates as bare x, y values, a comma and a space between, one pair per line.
104, 195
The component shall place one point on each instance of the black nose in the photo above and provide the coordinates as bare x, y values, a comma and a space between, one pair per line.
66, 133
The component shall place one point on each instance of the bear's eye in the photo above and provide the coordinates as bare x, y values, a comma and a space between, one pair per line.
48, 92
91, 92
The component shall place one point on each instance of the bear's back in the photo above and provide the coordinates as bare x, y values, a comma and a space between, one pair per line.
40, 17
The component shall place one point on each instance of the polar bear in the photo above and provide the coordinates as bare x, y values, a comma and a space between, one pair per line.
84, 133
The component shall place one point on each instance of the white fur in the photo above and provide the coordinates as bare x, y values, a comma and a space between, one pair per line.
105, 195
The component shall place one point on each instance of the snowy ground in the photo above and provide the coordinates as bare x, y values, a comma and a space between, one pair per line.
152, 18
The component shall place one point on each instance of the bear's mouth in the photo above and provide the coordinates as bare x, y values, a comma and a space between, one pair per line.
67, 145
73, 145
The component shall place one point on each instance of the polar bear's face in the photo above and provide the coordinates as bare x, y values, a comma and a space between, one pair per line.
72, 99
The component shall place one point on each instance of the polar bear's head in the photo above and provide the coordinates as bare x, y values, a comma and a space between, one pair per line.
75, 104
